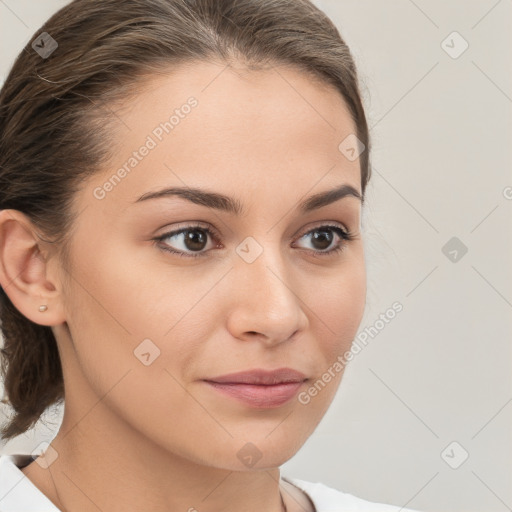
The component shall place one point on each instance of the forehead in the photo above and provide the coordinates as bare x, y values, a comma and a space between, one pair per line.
210, 124
260, 98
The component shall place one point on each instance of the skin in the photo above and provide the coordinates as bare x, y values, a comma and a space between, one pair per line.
269, 138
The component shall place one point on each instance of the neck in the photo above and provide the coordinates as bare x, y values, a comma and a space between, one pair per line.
88, 477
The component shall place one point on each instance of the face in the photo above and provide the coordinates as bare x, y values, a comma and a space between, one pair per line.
261, 288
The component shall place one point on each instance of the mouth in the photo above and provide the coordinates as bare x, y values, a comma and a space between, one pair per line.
263, 396
259, 388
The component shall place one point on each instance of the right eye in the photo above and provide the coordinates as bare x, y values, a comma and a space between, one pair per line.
191, 238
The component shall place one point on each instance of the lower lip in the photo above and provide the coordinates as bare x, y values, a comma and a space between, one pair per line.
260, 396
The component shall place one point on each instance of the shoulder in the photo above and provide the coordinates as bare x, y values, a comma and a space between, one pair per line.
17, 492
328, 499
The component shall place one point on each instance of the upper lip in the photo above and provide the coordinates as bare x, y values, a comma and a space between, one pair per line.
261, 376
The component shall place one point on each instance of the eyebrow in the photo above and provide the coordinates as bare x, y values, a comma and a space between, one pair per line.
233, 205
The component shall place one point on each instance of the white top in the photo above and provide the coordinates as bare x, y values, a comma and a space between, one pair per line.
19, 494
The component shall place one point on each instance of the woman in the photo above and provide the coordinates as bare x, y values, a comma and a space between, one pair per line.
181, 252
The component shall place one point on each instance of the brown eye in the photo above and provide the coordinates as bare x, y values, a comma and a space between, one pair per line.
191, 241
322, 239
195, 239
324, 236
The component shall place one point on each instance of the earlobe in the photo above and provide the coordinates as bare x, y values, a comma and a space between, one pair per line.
23, 271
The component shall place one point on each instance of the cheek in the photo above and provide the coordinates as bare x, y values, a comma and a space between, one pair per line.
337, 305
125, 358
129, 313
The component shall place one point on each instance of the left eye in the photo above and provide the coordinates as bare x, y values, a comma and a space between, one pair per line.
323, 237
194, 238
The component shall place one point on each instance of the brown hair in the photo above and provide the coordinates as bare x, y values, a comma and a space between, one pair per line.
55, 112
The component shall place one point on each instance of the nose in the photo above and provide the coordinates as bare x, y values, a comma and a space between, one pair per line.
264, 304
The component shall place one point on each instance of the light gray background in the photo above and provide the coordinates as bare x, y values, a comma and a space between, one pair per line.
439, 372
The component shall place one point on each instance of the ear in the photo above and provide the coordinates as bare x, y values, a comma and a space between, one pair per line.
25, 273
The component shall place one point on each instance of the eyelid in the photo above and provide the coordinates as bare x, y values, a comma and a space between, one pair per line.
193, 224
209, 227
320, 224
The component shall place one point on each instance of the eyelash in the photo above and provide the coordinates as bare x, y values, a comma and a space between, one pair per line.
345, 235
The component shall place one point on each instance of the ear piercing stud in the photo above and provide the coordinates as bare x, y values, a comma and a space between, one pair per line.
43, 308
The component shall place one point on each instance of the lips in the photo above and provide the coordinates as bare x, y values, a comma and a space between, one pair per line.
258, 388
261, 377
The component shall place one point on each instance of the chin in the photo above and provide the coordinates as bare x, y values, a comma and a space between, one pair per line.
251, 452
